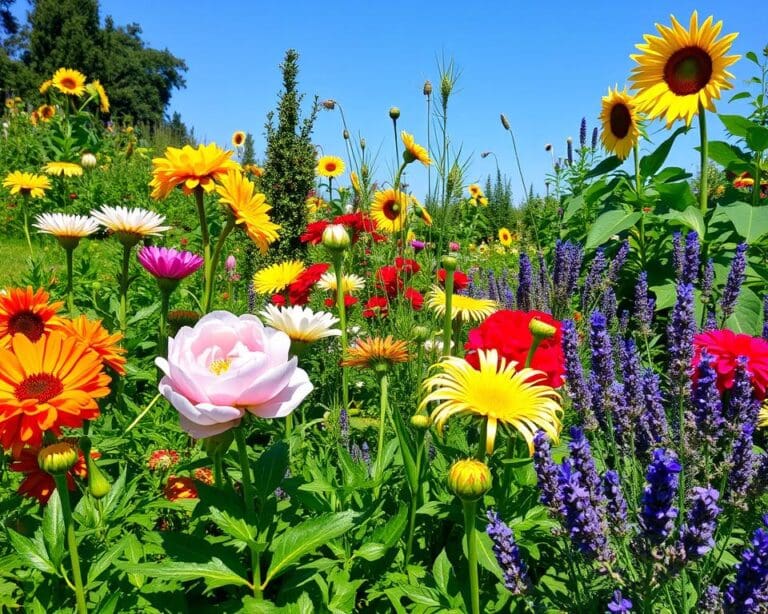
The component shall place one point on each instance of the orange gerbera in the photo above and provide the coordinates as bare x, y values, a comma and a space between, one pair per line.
190, 168
374, 351
47, 385
97, 338
27, 312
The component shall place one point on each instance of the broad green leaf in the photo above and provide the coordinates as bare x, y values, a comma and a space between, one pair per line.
407, 449
690, 218
53, 529
750, 222
573, 205
739, 96
737, 125
106, 560
485, 556
651, 163
726, 154
270, 469
752, 57
747, 317
391, 532
114, 494
304, 538
607, 165
441, 570
666, 296
608, 224
371, 551
215, 573
757, 138
32, 551
237, 528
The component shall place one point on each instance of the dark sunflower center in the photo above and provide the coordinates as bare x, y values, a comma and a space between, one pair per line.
621, 120
28, 324
42, 387
391, 209
688, 70
68, 83
330, 167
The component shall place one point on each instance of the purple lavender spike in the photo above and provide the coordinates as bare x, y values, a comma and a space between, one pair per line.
733, 283
743, 464
705, 401
690, 273
652, 426
574, 375
594, 281
708, 282
658, 514
680, 332
748, 593
698, 531
583, 133
546, 473
602, 373
618, 262
644, 305
678, 254
617, 505
524, 284
507, 554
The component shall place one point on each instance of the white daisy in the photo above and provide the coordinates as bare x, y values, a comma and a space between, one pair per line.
137, 222
350, 283
301, 324
66, 225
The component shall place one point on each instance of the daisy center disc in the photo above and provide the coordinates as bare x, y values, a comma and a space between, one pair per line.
42, 387
621, 121
28, 324
68, 84
688, 70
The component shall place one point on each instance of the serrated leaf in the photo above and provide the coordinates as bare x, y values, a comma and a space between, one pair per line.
237, 528
371, 551
609, 224
391, 532
53, 529
300, 540
750, 222
215, 572
31, 551
270, 468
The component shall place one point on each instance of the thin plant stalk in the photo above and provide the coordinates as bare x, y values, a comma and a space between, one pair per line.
414, 506
470, 510
124, 282
206, 239
250, 508
162, 341
704, 159
66, 509
383, 411
25, 213
338, 259
214, 263
70, 275
448, 315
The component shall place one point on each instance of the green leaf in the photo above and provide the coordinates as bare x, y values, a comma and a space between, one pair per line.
31, 551
106, 560
391, 532
215, 573
736, 124
651, 163
757, 138
726, 154
304, 538
739, 96
407, 449
750, 222
752, 57
237, 528
442, 570
53, 529
747, 317
270, 469
608, 224
573, 205
607, 165
666, 296
371, 551
690, 218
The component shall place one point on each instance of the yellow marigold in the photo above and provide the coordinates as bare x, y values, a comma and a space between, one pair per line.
249, 208
413, 151
190, 168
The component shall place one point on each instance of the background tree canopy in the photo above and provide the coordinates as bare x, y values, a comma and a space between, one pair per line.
138, 79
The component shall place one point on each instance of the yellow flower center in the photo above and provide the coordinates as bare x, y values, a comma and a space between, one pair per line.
217, 367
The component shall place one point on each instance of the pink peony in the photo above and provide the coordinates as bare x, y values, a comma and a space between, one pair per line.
227, 365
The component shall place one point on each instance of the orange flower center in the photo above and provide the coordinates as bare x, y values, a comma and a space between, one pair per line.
28, 324
68, 83
620, 120
688, 70
42, 387
330, 167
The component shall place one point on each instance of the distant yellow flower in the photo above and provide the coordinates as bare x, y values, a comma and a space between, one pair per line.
46, 112
249, 208
483, 201
190, 168
27, 184
277, 277
315, 204
389, 209
45, 86
475, 191
505, 237
681, 69
497, 393
463, 308
413, 151
620, 127
762, 418
355, 182
98, 89
63, 169
69, 81
238, 138
376, 352
330, 166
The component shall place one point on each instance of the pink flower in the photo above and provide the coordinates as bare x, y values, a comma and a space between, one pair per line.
227, 365
725, 347
418, 245
453, 246
230, 263
169, 263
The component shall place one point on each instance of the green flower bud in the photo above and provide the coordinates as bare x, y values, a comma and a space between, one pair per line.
336, 237
540, 329
420, 333
58, 458
504, 121
218, 444
98, 484
421, 421
427, 88
449, 263
394, 113
469, 479
345, 134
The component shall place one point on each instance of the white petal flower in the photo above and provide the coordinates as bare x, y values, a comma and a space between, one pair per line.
130, 221
66, 225
350, 283
300, 323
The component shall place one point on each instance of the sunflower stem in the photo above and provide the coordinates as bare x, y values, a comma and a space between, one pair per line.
66, 509
338, 260
383, 410
756, 186
250, 509
703, 191
470, 509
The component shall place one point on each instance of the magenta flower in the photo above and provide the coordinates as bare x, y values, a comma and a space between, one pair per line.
230, 263
169, 263
418, 245
453, 246
227, 365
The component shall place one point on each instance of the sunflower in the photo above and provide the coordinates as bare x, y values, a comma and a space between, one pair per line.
413, 151
45, 86
389, 209
330, 166
315, 204
69, 81
97, 89
47, 385
93, 334
376, 353
475, 191
465, 308
249, 208
505, 237
63, 169
350, 283
620, 122
46, 112
497, 393
190, 168
682, 69
277, 277
27, 312
238, 138
27, 184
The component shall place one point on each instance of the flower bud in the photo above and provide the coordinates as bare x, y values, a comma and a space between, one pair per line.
449, 263
98, 484
469, 479
57, 458
420, 333
453, 246
88, 160
230, 263
329, 104
421, 421
504, 121
345, 134
336, 237
362, 143
427, 88
540, 329
394, 113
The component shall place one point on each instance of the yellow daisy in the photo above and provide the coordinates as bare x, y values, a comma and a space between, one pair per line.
413, 151
475, 191
69, 81
505, 237
682, 69
620, 127
497, 393
249, 208
390, 210
277, 277
98, 90
330, 166
190, 168
465, 308
27, 184
63, 169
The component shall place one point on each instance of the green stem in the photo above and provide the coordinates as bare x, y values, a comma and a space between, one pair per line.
70, 270
206, 239
214, 262
250, 508
414, 498
124, 281
470, 509
66, 509
383, 410
756, 187
26, 224
703, 191
447, 319
532, 351
162, 341
429, 145
338, 259
218, 470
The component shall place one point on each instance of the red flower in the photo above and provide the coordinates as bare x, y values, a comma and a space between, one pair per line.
278, 300
179, 487
725, 347
204, 475
298, 291
349, 300
39, 484
460, 280
388, 280
407, 266
314, 232
376, 306
507, 332
415, 297
163, 459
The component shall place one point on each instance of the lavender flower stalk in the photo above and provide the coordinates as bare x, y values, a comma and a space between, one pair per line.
574, 375
618, 263
698, 531
748, 592
594, 281
583, 133
680, 332
602, 365
546, 473
706, 403
619, 604
711, 602
743, 463
678, 254
644, 305
507, 554
595, 134
690, 272
582, 461
652, 426
708, 282
658, 514
617, 505
734, 281
524, 284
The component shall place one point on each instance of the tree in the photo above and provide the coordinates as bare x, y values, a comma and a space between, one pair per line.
289, 172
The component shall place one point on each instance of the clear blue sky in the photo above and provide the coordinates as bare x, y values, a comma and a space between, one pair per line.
544, 64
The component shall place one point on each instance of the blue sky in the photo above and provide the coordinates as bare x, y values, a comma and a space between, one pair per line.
544, 64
